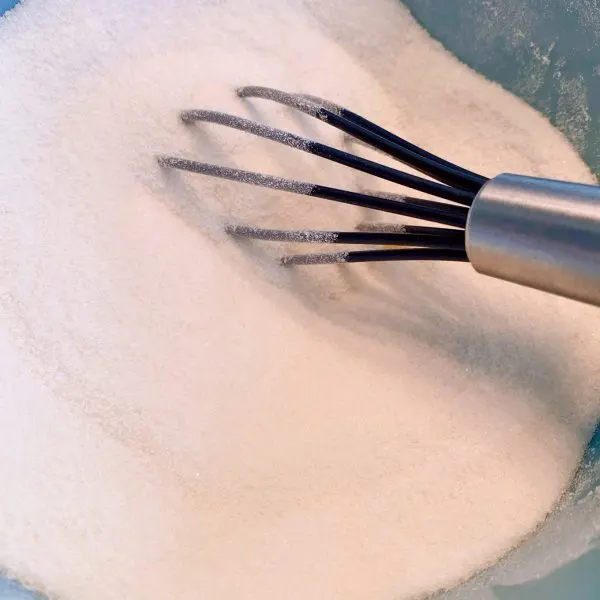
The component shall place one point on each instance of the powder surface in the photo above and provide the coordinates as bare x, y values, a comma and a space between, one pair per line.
180, 417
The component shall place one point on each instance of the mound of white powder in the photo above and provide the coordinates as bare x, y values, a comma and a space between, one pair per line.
179, 416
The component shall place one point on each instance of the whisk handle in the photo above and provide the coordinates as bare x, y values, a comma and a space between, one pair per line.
541, 233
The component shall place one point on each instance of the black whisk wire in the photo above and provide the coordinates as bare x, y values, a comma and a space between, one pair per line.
403, 254
372, 135
442, 238
428, 210
446, 192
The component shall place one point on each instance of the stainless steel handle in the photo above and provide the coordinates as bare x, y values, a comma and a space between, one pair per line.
541, 233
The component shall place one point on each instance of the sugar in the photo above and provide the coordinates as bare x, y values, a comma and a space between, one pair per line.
183, 417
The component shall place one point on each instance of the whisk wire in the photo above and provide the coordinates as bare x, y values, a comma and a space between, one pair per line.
372, 135
427, 186
428, 210
451, 238
403, 254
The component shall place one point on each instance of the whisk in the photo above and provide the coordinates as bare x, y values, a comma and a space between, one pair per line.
541, 233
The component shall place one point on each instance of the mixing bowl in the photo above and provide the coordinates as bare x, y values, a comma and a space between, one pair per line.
561, 559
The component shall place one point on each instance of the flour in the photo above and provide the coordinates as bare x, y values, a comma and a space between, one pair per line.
181, 417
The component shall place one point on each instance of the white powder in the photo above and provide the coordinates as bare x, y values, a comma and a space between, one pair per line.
180, 417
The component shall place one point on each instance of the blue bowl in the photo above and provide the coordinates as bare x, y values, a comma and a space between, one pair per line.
6, 5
